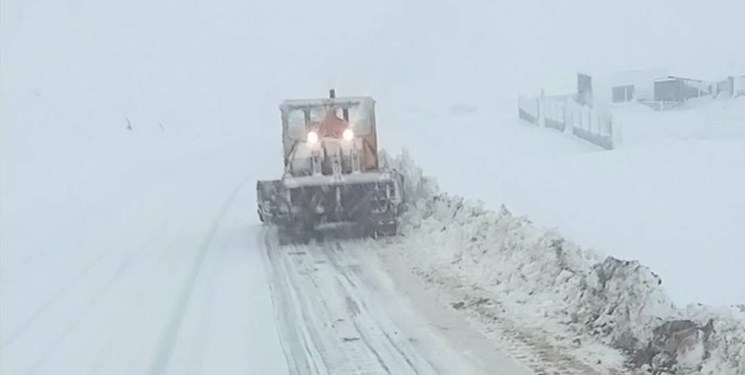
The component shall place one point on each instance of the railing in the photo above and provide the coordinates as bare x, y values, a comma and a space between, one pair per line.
563, 113
528, 109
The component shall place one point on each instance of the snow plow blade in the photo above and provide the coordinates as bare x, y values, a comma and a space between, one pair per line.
271, 202
307, 207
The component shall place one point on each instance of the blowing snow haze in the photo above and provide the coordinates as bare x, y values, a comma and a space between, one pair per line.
132, 135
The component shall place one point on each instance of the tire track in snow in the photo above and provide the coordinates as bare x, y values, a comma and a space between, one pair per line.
206, 320
170, 334
352, 275
70, 327
56, 296
126, 314
325, 317
301, 352
79, 319
64, 289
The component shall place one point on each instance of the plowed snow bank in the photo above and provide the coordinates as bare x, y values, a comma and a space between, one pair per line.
509, 271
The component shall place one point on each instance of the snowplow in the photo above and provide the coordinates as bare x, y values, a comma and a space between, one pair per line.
332, 179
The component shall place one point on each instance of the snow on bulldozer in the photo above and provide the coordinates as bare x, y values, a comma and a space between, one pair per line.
333, 180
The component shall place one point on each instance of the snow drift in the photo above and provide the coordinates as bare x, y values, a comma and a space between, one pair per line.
505, 270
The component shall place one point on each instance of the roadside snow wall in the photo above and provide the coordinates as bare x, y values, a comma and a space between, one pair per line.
539, 280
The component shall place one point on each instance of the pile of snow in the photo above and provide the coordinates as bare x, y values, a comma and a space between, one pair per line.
504, 268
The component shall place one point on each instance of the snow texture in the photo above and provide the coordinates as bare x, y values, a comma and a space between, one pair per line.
511, 270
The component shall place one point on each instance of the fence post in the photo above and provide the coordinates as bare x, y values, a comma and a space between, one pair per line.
519, 107
564, 117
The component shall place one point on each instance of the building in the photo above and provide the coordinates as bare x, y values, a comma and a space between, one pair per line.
732, 86
680, 89
607, 89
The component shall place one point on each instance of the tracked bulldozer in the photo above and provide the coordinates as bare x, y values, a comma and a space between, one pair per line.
333, 180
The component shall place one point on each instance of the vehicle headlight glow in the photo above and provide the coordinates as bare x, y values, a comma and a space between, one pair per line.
348, 135
312, 137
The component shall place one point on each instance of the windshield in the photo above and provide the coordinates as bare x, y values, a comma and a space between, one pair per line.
301, 120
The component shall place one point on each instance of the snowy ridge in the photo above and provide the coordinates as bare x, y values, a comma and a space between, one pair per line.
565, 305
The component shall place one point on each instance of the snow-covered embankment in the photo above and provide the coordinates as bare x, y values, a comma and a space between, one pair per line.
540, 294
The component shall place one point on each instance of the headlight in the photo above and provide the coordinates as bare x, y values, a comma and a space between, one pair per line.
312, 137
348, 135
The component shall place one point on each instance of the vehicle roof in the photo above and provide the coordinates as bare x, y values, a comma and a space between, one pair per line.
311, 103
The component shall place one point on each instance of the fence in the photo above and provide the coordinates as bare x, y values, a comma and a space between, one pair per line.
555, 113
593, 126
563, 112
528, 109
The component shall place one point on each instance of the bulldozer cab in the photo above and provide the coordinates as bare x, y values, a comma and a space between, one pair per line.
324, 116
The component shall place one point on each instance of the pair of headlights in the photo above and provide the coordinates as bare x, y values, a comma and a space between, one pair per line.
348, 135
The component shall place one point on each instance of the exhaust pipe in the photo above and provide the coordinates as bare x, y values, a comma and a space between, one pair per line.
345, 111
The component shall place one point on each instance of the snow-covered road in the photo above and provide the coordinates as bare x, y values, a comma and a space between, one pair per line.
131, 136
173, 285
330, 321
177, 277
340, 312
